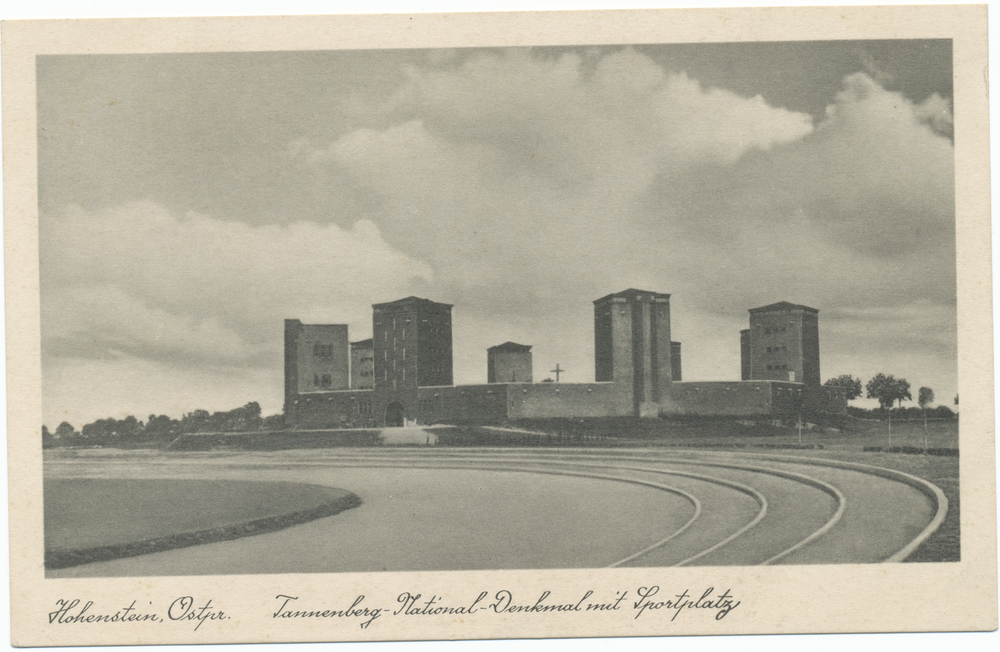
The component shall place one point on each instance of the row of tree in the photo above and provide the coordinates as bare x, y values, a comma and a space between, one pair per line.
887, 390
156, 428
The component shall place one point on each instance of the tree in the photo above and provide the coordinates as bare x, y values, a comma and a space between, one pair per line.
244, 419
64, 430
887, 389
100, 429
197, 421
851, 385
128, 428
253, 409
902, 392
161, 427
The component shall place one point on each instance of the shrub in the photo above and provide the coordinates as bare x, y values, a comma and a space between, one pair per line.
943, 412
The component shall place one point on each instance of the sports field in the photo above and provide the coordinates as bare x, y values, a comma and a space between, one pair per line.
433, 508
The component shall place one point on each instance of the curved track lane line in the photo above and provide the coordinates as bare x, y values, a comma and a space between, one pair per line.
929, 489
834, 492
491, 466
756, 495
753, 493
662, 487
841, 500
759, 497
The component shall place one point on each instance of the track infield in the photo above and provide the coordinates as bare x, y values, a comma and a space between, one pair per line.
90, 519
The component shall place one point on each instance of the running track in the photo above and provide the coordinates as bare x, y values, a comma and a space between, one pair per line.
464, 509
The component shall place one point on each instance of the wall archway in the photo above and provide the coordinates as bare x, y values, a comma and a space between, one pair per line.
394, 415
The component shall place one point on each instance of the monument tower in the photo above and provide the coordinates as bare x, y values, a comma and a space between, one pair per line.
782, 343
316, 360
411, 348
632, 349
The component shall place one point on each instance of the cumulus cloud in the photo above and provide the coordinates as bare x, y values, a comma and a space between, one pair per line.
716, 125
866, 203
106, 322
936, 111
619, 120
138, 280
508, 166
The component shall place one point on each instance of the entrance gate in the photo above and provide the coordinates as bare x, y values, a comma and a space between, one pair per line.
394, 415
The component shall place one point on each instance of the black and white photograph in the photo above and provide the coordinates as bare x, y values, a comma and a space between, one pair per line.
684, 306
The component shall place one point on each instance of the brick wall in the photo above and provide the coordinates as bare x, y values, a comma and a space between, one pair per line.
544, 400
500, 402
718, 399
795, 399
826, 400
340, 409
463, 404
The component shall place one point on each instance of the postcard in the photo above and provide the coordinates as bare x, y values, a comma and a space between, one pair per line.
501, 325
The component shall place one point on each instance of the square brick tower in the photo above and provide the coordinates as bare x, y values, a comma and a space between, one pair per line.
782, 343
411, 347
508, 363
632, 349
316, 360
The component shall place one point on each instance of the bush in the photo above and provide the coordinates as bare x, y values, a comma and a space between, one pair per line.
943, 452
943, 412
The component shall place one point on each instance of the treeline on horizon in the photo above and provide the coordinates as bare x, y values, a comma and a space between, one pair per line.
160, 429
888, 391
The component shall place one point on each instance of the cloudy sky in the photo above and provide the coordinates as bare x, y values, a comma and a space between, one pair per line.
190, 203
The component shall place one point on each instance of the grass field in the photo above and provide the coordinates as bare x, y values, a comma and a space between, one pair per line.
939, 434
98, 519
